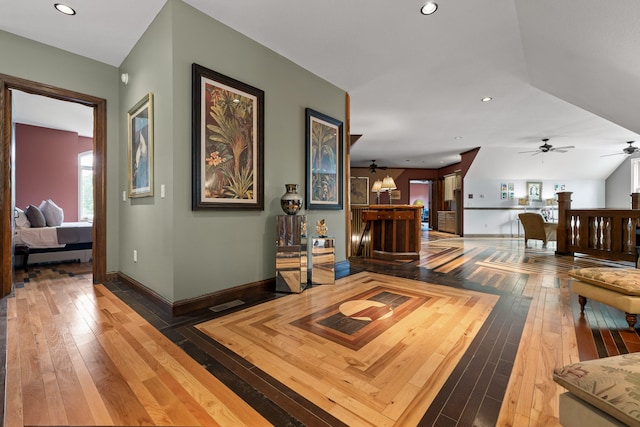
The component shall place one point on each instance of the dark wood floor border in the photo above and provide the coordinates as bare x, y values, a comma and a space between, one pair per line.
220, 297
492, 352
261, 385
467, 396
186, 306
160, 301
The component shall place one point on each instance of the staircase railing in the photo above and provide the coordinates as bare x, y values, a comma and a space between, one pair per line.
602, 233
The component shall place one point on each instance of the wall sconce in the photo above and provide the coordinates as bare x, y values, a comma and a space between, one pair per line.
124, 77
377, 186
388, 184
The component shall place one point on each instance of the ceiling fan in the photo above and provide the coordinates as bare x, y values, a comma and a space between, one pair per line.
373, 167
626, 150
546, 147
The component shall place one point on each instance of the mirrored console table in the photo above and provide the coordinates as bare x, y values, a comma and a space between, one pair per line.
291, 253
323, 260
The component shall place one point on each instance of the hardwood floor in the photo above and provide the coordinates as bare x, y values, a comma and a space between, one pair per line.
373, 350
79, 354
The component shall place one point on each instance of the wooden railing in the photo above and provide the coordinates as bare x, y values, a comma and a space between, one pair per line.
602, 233
359, 236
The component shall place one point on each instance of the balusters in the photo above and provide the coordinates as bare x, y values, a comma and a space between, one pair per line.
608, 233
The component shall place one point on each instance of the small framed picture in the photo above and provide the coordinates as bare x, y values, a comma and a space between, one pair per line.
140, 148
359, 192
534, 191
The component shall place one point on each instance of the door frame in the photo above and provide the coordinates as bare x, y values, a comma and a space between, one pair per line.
99, 106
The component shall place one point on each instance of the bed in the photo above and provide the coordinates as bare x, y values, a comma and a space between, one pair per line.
69, 236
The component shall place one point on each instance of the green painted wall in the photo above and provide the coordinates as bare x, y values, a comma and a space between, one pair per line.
184, 253
146, 223
45, 64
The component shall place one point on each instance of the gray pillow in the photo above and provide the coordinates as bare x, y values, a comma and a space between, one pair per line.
53, 214
35, 216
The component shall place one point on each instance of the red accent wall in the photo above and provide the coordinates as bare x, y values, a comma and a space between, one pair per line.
419, 191
46, 167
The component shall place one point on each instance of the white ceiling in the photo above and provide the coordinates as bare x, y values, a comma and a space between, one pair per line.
52, 113
565, 70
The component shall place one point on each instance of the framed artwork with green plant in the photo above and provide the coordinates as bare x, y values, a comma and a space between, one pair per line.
228, 142
324, 161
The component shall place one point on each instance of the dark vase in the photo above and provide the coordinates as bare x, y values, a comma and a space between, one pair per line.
291, 201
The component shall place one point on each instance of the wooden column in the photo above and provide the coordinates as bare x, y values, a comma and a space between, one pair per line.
635, 200
562, 232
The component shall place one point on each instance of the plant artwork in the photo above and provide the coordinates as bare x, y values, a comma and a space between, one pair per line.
324, 161
228, 142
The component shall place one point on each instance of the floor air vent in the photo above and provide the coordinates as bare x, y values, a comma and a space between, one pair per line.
226, 306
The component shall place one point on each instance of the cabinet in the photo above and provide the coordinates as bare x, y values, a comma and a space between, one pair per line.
447, 221
395, 231
291, 253
323, 260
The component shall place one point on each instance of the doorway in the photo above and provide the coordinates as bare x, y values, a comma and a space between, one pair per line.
7, 84
52, 162
420, 193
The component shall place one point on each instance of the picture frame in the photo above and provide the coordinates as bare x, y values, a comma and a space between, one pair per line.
227, 142
324, 181
359, 191
140, 148
534, 191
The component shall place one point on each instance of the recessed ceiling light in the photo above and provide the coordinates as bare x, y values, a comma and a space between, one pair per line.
457, 137
486, 99
63, 8
429, 8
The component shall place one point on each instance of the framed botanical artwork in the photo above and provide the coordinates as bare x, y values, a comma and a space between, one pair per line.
324, 161
140, 148
534, 191
359, 190
228, 142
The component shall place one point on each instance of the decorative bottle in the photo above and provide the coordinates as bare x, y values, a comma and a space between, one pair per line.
291, 201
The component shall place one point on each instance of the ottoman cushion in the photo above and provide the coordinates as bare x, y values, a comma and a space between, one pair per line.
611, 384
623, 280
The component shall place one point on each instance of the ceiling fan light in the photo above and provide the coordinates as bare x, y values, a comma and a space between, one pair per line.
429, 8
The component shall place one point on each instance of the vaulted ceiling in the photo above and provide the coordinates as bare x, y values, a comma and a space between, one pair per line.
564, 70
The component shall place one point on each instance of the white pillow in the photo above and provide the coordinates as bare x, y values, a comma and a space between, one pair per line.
53, 214
21, 220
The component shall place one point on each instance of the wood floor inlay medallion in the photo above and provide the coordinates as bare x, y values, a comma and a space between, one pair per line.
361, 365
360, 319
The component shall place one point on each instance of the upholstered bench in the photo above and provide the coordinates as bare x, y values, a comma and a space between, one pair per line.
600, 392
616, 287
